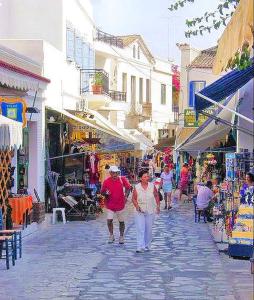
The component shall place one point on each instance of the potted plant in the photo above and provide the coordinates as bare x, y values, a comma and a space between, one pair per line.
97, 85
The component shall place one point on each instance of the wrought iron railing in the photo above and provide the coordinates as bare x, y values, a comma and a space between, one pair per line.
95, 81
109, 39
117, 96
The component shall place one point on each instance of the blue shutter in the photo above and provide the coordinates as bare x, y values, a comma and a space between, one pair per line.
78, 51
70, 44
191, 93
91, 58
85, 60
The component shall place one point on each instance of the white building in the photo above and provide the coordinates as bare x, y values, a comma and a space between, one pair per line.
137, 86
56, 34
16, 83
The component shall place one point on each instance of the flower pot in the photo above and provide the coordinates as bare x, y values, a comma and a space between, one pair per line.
97, 89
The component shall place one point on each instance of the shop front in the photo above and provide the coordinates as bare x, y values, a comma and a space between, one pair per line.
80, 150
21, 101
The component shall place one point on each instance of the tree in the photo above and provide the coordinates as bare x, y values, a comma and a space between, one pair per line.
213, 21
210, 20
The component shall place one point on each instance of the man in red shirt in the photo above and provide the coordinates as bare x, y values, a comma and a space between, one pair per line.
114, 189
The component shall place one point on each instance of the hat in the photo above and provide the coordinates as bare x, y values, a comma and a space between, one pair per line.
114, 169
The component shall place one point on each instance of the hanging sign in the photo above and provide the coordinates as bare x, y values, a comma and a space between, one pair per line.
13, 108
190, 117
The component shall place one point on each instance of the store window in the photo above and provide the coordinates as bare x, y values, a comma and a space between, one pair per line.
23, 164
194, 87
163, 94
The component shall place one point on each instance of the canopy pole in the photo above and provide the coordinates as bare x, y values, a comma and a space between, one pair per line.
223, 106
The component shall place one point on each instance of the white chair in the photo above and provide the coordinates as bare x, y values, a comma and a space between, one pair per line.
62, 210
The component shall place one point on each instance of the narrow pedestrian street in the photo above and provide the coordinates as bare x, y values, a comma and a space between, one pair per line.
74, 261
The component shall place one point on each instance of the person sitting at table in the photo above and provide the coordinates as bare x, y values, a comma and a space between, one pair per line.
205, 198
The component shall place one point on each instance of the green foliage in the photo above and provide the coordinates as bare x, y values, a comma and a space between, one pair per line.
210, 20
241, 60
98, 79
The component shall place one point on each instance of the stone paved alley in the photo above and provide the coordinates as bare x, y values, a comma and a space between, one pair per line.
74, 261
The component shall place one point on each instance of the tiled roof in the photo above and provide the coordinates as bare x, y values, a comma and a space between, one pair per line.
22, 71
129, 39
205, 59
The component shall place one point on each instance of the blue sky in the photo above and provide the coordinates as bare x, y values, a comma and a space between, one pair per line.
160, 28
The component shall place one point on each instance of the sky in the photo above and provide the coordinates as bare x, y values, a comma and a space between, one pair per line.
160, 28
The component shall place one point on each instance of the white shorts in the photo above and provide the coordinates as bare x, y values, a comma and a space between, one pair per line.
120, 215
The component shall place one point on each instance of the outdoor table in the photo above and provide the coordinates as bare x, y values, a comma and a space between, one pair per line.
19, 207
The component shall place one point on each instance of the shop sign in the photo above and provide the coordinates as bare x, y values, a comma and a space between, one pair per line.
14, 108
190, 117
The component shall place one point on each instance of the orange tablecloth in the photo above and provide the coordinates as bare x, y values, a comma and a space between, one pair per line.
19, 207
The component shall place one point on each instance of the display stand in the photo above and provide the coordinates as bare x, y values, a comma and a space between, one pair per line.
241, 242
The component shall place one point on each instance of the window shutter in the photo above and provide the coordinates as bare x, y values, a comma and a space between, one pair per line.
78, 51
85, 62
91, 58
191, 93
70, 44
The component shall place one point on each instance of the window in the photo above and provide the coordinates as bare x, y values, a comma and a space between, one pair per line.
194, 87
140, 90
134, 51
138, 52
163, 94
133, 89
124, 83
70, 44
148, 98
173, 132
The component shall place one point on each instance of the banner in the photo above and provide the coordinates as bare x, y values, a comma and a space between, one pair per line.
190, 117
13, 108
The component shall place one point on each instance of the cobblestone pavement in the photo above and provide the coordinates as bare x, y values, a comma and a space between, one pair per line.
74, 261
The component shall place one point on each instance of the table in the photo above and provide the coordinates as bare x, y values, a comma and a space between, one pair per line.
19, 207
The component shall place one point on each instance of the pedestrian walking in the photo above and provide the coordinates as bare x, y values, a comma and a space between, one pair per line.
146, 202
167, 182
115, 189
184, 181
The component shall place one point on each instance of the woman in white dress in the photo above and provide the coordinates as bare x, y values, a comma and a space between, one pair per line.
146, 202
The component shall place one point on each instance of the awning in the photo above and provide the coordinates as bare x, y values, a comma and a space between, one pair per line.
183, 135
165, 143
211, 131
237, 32
96, 124
223, 87
10, 133
141, 141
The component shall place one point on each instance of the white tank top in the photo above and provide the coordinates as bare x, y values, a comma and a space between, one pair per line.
146, 199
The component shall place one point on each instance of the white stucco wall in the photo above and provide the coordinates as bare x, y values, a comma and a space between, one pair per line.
109, 58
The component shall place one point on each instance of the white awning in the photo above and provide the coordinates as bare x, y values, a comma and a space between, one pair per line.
10, 133
210, 132
98, 122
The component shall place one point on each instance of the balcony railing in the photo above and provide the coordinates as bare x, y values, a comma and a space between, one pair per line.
118, 96
95, 81
109, 39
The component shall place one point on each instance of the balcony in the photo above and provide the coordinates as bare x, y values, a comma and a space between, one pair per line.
109, 39
147, 110
94, 87
117, 96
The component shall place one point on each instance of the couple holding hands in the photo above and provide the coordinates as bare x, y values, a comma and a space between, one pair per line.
146, 202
